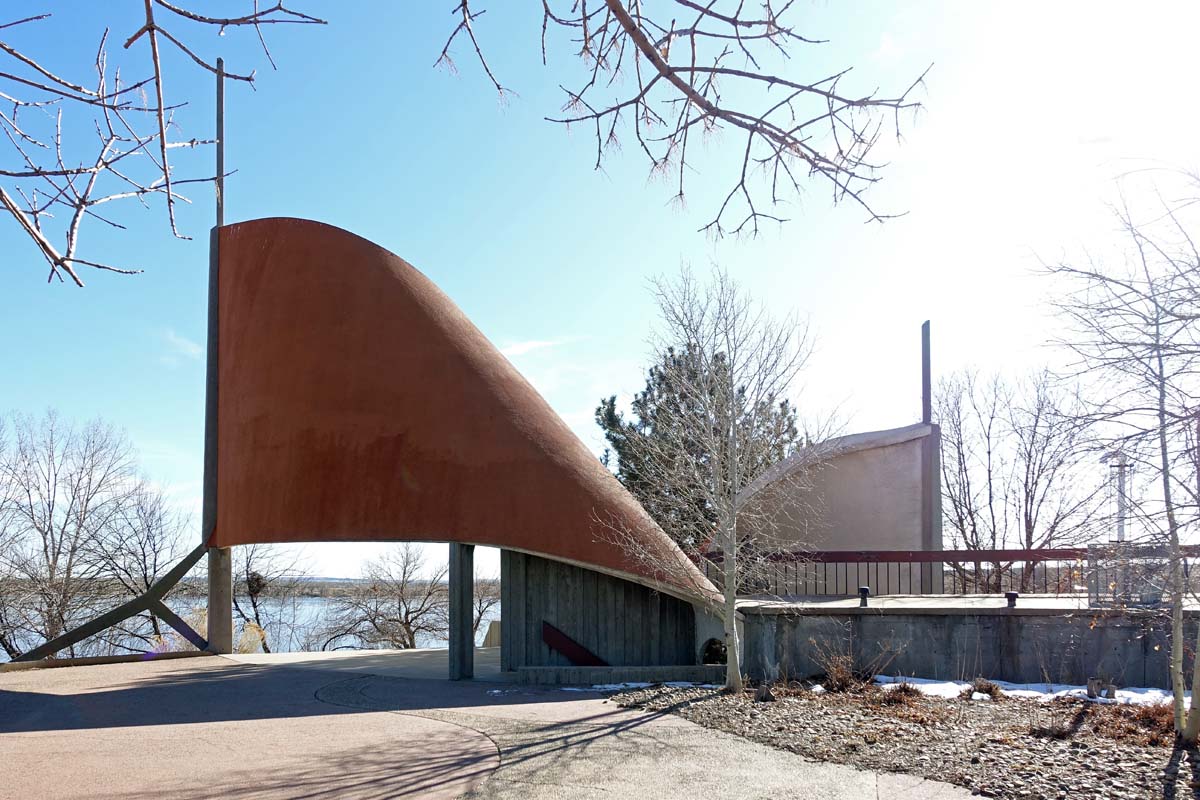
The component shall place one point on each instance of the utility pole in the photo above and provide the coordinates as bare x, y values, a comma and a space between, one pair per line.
1121, 466
1122, 498
220, 142
220, 559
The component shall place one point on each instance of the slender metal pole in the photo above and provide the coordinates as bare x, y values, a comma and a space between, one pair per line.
220, 142
926, 377
1122, 501
220, 561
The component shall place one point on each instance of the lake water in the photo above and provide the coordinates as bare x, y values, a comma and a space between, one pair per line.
289, 626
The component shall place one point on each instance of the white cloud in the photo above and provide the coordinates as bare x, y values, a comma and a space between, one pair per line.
183, 346
522, 348
889, 49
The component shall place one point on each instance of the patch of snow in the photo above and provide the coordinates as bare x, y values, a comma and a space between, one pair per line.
818, 689
948, 690
1042, 692
980, 696
607, 687
691, 685
620, 687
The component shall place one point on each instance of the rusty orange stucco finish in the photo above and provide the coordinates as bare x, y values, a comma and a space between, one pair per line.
356, 402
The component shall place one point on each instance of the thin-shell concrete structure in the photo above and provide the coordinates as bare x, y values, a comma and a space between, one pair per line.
355, 401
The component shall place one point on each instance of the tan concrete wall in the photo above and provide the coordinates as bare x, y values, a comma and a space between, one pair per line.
868, 500
867, 492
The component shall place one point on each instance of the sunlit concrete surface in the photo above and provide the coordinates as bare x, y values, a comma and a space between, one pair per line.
424, 664
373, 726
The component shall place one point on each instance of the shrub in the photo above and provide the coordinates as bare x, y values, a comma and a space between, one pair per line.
1144, 725
900, 694
982, 686
839, 673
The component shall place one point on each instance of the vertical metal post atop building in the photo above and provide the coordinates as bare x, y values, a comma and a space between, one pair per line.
220, 561
926, 377
931, 493
462, 593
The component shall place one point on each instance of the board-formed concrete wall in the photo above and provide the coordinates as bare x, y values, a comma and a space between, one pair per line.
621, 622
1018, 645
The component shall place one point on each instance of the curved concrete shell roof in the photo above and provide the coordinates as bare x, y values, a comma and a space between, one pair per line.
356, 402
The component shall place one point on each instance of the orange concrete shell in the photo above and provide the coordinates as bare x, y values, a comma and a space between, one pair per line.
356, 402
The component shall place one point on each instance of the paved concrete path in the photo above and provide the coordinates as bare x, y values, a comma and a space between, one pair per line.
319, 728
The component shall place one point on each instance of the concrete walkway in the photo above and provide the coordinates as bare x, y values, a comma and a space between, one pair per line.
372, 726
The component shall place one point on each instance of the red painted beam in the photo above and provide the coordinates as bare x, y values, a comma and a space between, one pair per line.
576, 653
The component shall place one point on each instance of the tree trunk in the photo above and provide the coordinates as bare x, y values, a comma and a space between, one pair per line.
1191, 730
733, 660
1177, 685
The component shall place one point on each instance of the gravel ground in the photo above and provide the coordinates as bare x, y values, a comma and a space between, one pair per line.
1004, 748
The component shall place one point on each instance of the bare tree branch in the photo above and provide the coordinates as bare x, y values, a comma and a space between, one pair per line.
133, 132
707, 66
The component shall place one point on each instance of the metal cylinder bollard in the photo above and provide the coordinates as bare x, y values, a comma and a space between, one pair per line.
863, 593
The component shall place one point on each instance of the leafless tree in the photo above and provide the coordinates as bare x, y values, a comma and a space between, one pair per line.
673, 72
485, 598
400, 603
1015, 469
268, 582
11, 588
79, 144
1133, 330
65, 485
143, 539
735, 365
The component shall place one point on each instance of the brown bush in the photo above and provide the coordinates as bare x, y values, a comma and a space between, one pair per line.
900, 694
839, 673
1148, 725
982, 686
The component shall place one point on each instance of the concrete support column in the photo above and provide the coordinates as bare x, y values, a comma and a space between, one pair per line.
220, 600
462, 593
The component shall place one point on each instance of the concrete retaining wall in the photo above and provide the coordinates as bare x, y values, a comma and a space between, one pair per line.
1023, 646
622, 622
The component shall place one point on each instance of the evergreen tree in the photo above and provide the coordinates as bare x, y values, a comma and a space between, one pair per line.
655, 431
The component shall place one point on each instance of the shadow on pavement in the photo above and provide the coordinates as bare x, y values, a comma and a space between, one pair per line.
363, 775
217, 690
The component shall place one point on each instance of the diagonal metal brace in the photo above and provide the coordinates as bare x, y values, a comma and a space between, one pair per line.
150, 601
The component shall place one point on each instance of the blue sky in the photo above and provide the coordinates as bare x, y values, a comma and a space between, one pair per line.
1031, 109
